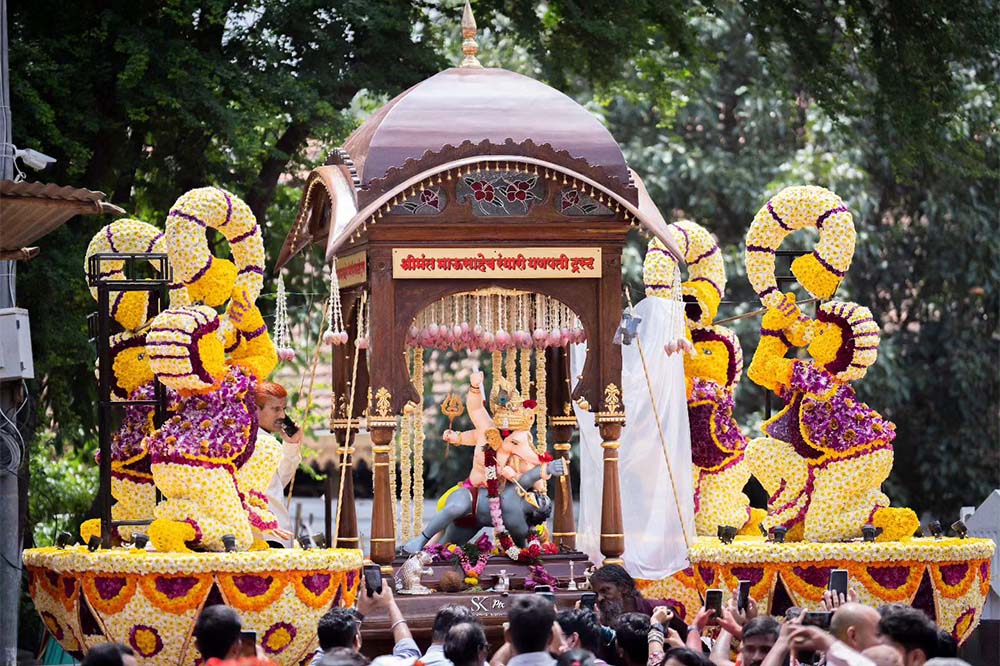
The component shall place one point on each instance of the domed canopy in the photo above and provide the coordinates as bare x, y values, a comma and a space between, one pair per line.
512, 113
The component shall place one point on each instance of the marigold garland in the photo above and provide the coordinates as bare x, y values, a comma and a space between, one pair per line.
253, 592
176, 593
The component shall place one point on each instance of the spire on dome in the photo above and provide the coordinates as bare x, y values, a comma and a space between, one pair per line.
469, 46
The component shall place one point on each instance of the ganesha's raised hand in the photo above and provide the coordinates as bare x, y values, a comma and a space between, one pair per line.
476, 379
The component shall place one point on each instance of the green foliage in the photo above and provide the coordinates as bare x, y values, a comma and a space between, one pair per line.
718, 105
62, 489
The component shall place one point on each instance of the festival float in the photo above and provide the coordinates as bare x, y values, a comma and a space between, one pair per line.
484, 213
184, 517
823, 457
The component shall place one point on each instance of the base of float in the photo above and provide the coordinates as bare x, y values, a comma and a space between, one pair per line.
946, 578
150, 601
490, 607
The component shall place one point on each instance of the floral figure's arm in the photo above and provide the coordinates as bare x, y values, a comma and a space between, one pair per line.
254, 349
769, 367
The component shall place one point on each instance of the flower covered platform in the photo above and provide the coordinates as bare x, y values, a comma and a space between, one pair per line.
150, 601
947, 578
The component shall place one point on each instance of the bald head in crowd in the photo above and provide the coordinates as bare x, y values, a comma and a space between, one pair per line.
856, 625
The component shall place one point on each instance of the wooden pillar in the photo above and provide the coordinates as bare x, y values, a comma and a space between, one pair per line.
612, 529
383, 538
563, 520
347, 529
562, 422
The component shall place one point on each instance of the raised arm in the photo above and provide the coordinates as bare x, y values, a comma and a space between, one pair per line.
254, 350
463, 438
475, 402
769, 367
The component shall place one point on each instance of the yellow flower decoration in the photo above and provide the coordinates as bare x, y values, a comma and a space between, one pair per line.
126, 236
706, 281
791, 209
151, 600
185, 351
207, 278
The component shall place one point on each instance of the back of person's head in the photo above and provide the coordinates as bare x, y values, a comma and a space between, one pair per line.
763, 625
465, 644
108, 654
947, 647
576, 657
584, 624
631, 634
447, 618
531, 617
909, 628
682, 656
338, 628
343, 656
883, 655
216, 631
616, 575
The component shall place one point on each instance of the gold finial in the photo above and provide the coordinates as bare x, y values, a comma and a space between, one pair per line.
469, 46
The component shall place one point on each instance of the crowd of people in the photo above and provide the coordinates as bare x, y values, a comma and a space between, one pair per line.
623, 629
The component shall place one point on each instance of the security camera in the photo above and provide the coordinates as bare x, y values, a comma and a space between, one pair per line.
34, 159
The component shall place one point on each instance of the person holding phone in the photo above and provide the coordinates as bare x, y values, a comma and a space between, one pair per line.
272, 399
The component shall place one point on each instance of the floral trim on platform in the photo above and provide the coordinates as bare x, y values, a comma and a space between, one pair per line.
150, 600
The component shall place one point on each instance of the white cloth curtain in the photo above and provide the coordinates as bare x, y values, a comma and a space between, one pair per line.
654, 542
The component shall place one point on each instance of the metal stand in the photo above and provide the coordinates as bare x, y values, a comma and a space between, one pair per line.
158, 290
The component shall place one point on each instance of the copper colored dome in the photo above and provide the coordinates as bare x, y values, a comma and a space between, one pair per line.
459, 109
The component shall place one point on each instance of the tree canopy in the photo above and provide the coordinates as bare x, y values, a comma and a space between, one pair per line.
717, 104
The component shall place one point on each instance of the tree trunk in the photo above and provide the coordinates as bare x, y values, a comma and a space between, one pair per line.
261, 194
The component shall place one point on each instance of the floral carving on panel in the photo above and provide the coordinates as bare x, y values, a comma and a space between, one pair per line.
500, 193
430, 201
575, 202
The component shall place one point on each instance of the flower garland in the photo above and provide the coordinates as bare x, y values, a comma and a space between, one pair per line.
418, 441
471, 556
533, 550
282, 336
541, 406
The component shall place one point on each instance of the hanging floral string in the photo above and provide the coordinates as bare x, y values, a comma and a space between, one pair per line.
282, 336
541, 407
418, 441
405, 460
336, 333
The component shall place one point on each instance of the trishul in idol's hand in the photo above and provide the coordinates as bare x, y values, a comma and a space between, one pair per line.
452, 407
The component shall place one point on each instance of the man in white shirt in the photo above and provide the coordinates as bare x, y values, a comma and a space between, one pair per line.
271, 401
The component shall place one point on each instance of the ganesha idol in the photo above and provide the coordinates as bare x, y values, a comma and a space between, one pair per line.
503, 452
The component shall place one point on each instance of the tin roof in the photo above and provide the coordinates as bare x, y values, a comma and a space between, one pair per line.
29, 211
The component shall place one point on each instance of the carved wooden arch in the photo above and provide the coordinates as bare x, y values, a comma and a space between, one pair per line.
595, 299
645, 213
421, 294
